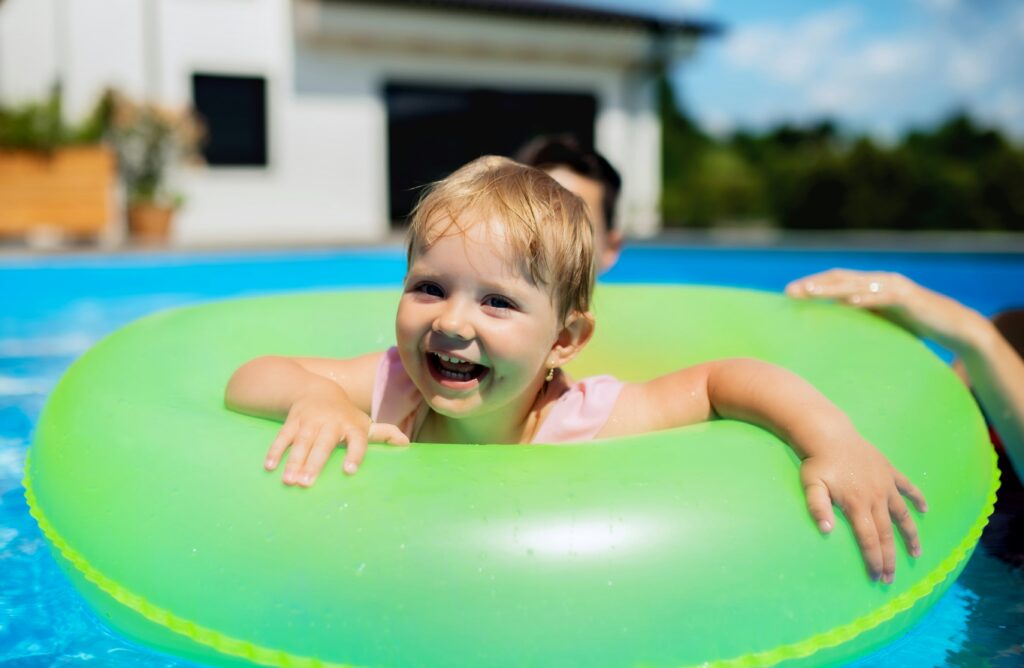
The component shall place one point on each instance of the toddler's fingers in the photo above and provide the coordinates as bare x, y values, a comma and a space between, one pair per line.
910, 490
355, 450
900, 514
819, 503
280, 444
866, 533
387, 433
321, 451
297, 455
887, 542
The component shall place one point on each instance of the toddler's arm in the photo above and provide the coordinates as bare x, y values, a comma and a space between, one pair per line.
323, 403
995, 370
838, 465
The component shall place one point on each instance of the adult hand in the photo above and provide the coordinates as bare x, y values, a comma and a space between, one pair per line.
896, 297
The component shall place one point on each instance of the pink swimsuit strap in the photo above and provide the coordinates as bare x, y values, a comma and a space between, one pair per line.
396, 399
577, 415
581, 411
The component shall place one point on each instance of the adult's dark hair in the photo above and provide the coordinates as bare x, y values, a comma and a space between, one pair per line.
565, 151
1010, 324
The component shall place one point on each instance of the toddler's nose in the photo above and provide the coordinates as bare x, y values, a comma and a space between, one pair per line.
453, 322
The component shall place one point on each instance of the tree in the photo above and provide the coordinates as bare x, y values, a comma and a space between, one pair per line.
957, 175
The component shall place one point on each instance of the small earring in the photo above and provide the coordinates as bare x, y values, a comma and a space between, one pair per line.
551, 375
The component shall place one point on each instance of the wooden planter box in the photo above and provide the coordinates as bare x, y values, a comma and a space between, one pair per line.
71, 192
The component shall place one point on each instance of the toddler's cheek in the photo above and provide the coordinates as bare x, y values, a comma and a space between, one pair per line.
406, 332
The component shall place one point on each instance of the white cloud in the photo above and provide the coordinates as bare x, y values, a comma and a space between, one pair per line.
821, 61
833, 97
892, 58
839, 62
968, 70
718, 123
1006, 111
1010, 104
940, 6
863, 77
791, 55
691, 5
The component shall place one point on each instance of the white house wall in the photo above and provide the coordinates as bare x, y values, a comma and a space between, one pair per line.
28, 50
337, 42
104, 47
640, 154
326, 180
285, 202
83, 44
467, 34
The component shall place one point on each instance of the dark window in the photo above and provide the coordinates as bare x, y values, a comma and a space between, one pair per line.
433, 130
234, 113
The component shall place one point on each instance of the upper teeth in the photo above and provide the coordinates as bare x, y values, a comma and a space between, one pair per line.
453, 360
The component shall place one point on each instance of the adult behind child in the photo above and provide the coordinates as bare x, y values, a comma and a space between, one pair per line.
989, 353
496, 300
587, 174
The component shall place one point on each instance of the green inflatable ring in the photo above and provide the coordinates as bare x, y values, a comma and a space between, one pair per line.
684, 547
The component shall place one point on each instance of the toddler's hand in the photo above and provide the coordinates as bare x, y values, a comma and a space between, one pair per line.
316, 424
869, 490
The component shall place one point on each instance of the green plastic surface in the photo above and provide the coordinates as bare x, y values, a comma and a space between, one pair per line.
674, 548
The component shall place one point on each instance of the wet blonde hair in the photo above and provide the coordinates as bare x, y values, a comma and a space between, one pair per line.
546, 227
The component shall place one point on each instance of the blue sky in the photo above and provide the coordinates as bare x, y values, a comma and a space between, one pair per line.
877, 67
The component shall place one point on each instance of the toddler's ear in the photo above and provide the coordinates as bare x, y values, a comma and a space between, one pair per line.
575, 335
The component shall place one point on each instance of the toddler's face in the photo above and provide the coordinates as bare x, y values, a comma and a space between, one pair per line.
474, 332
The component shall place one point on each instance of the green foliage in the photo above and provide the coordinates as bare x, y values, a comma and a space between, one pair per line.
147, 139
40, 126
150, 140
956, 176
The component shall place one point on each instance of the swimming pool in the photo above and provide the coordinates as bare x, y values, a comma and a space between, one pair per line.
55, 308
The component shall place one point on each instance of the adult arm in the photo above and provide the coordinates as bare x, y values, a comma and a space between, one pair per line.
995, 370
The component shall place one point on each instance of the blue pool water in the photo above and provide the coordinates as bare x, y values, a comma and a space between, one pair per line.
53, 308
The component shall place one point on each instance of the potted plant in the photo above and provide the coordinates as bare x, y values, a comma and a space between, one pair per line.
149, 141
56, 179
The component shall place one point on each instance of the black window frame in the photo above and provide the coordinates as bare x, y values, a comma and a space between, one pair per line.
435, 127
229, 143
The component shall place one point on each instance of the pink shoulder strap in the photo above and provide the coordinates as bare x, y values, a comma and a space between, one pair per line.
581, 412
395, 397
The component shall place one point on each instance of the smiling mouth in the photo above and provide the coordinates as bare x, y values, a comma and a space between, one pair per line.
451, 370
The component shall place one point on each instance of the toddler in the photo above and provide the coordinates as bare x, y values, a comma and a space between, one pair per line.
496, 300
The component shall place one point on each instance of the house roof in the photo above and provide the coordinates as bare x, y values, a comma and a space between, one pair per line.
561, 11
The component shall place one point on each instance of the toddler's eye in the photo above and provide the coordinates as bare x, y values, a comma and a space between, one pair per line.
431, 289
498, 302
